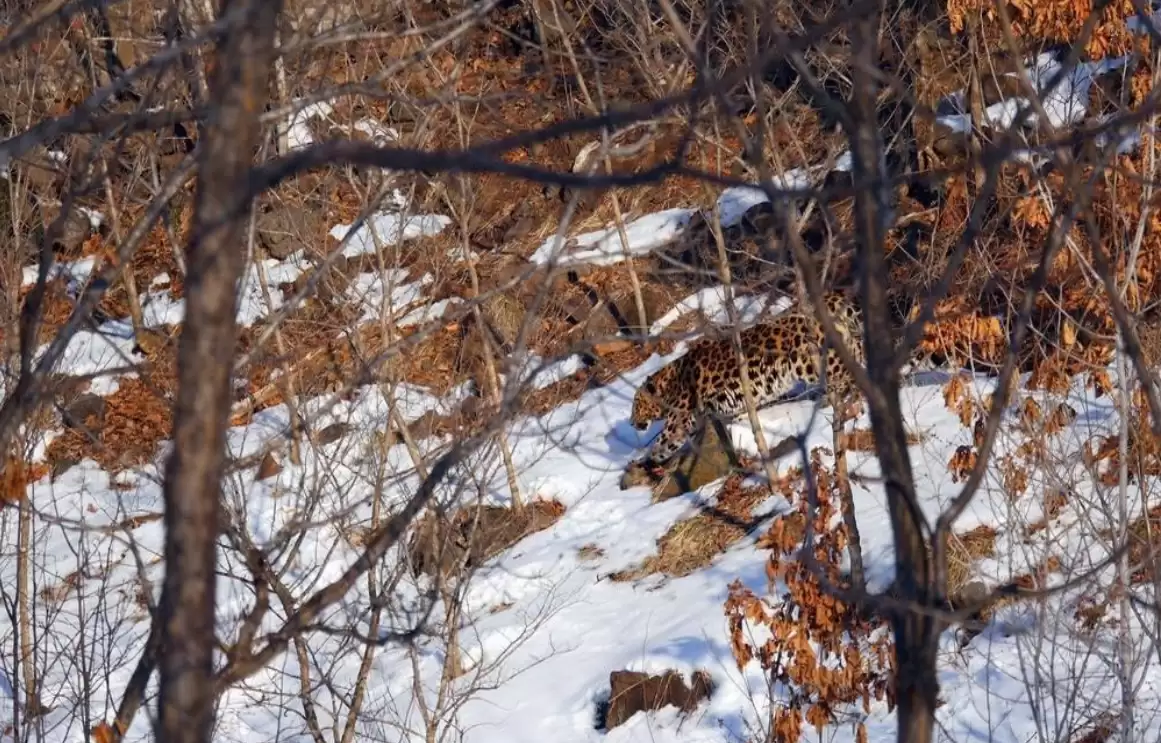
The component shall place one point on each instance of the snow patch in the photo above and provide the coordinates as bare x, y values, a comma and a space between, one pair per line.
604, 247
388, 228
297, 129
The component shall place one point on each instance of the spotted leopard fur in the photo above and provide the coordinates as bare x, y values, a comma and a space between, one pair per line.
781, 354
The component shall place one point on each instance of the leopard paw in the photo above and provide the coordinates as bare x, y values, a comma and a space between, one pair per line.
642, 472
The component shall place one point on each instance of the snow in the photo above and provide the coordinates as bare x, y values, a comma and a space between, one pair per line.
161, 308
96, 218
98, 352
298, 134
558, 371
711, 304
1065, 104
538, 372
407, 306
647, 233
544, 625
75, 272
389, 228
378, 133
605, 247
734, 202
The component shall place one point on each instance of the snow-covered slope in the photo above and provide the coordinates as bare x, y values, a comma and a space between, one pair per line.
546, 621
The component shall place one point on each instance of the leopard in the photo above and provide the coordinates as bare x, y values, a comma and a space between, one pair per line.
782, 353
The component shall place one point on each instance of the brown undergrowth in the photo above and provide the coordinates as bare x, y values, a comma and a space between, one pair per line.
135, 419
470, 536
693, 543
964, 551
825, 653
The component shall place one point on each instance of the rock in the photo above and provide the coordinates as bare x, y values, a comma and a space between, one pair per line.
471, 536
504, 313
948, 143
268, 467
753, 248
700, 465
526, 217
86, 412
282, 231
332, 433
59, 466
76, 228
632, 692
659, 299
332, 287
40, 172
151, 341
520, 228
472, 408
603, 323
132, 30
972, 594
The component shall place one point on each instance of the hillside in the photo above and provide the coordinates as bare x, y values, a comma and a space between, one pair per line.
468, 341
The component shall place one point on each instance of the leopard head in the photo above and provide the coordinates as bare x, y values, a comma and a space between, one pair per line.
647, 403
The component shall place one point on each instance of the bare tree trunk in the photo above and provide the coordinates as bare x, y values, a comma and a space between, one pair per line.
916, 631
194, 471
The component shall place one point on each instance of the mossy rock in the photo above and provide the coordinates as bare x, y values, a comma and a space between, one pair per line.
705, 462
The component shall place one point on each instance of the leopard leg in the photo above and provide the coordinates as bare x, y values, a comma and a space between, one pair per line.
841, 391
678, 428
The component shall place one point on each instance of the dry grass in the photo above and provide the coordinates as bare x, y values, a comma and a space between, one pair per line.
514, 216
474, 535
154, 257
1100, 730
692, 544
862, 439
438, 362
964, 551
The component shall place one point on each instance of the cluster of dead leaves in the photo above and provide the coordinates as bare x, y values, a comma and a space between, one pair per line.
137, 418
1142, 450
103, 732
959, 332
15, 477
1052, 21
820, 649
1116, 208
1032, 420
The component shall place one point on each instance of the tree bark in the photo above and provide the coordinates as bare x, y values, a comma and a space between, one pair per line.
916, 631
215, 259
